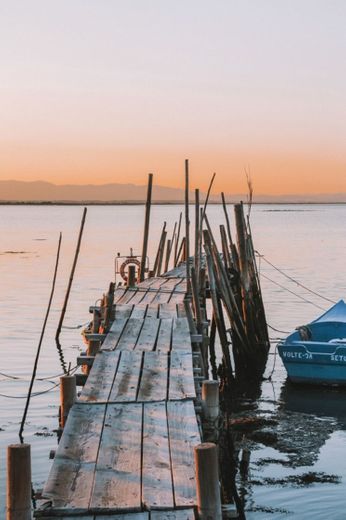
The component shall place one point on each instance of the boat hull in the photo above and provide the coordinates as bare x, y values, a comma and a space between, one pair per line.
314, 363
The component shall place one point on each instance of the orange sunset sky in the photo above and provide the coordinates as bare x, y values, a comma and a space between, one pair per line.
107, 91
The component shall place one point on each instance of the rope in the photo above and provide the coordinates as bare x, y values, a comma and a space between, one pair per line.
277, 330
293, 280
21, 429
295, 294
47, 378
76, 326
35, 394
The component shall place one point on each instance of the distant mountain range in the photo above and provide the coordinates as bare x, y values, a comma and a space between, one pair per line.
46, 192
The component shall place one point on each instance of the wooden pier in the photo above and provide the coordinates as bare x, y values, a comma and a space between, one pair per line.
127, 449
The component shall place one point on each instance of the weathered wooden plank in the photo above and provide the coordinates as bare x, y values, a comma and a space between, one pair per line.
181, 334
128, 295
153, 290
123, 310
153, 385
168, 310
126, 381
181, 382
172, 284
118, 293
71, 478
99, 383
82, 432
183, 436
149, 296
148, 334
126, 516
139, 311
161, 297
152, 311
181, 311
177, 297
114, 334
65, 517
118, 470
164, 337
138, 297
179, 514
157, 492
130, 335
69, 486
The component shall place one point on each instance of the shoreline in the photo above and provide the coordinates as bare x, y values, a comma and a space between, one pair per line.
160, 203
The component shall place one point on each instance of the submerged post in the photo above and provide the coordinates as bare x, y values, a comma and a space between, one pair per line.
18, 505
68, 395
207, 482
146, 228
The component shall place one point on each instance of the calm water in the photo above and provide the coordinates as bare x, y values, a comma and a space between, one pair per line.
307, 242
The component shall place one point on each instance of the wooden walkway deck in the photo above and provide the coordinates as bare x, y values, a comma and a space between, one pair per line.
126, 451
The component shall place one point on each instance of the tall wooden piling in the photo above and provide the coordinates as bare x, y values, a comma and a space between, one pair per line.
187, 227
146, 228
19, 491
68, 395
207, 482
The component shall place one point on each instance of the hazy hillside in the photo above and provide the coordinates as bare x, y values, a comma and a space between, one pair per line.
40, 191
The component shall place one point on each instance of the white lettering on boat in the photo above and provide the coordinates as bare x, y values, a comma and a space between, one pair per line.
338, 358
297, 355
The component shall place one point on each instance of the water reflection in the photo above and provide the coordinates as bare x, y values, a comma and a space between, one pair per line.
319, 401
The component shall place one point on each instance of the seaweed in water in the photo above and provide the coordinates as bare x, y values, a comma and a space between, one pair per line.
305, 479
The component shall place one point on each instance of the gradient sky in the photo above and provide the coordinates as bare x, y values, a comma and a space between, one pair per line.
107, 91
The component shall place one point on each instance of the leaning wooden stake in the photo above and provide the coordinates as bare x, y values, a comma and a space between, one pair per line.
67, 295
19, 489
207, 482
157, 258
168, 254
176, 255
146, 228
68, 396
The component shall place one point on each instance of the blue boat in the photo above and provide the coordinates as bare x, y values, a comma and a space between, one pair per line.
316, 353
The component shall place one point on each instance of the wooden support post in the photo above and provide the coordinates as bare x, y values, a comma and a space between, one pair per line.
108, 309
187, 228
210, 400
68, 395
146, 228
93, 346
18, 505
207, 482
197, 232
131, 276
